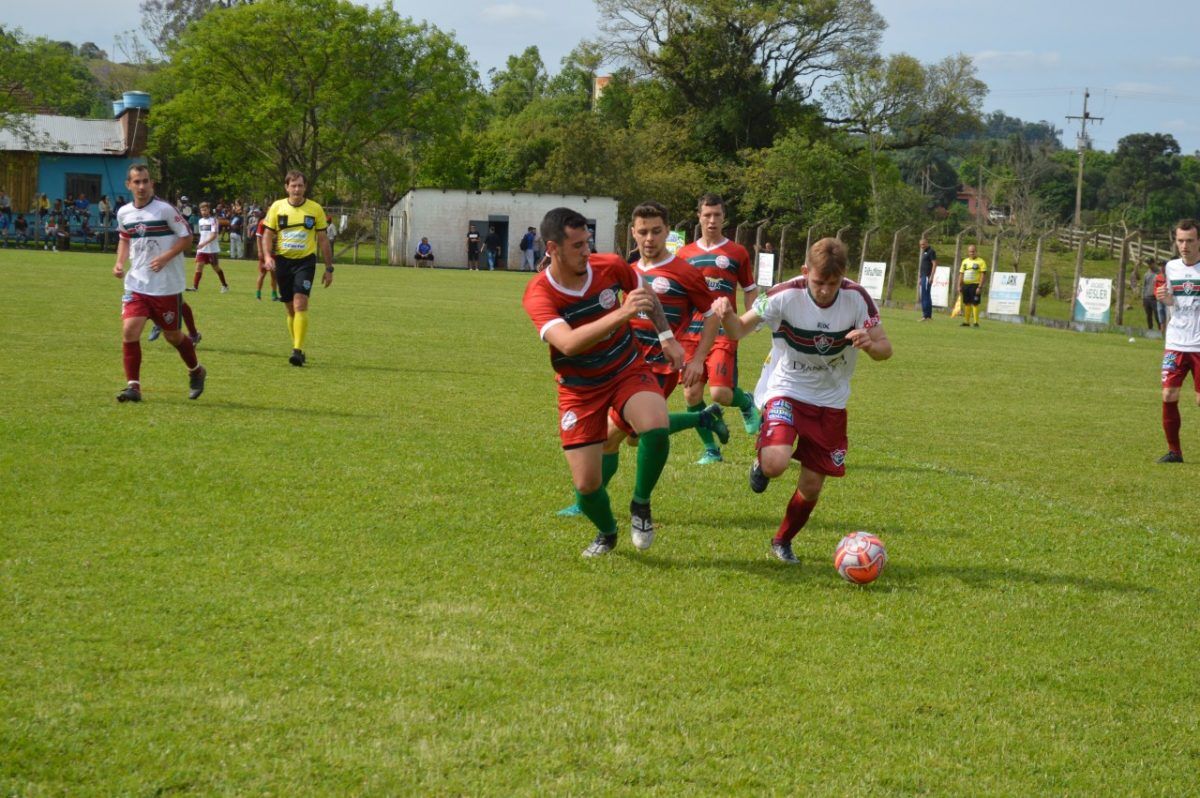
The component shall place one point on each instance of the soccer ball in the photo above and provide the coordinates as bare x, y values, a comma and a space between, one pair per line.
860, 557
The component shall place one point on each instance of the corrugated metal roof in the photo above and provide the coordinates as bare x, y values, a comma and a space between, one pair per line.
66, 134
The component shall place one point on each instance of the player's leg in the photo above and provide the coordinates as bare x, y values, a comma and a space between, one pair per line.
776, 442
199, 273
1174, 368
722, 371
693, 398
131, 353
610, 459
262, 273
169, 316
299, 324
216, 264
646, 412
189, 321
799, 508
584, 463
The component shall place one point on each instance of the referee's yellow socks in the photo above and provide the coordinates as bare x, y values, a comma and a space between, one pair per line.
299, 329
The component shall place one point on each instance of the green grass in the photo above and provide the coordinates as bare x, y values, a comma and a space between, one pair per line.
348, 579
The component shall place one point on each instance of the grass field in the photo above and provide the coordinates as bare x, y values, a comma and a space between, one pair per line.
347, 579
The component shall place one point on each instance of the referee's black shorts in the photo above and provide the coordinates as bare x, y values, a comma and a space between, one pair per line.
295, 275
970, 293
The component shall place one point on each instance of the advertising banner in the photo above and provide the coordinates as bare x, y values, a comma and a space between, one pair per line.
1004, 296
873, 273
1094, 300
940, 290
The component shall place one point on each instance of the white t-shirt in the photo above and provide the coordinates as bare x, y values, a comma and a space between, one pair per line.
208, 226
1183, 330
811, 359
151, 230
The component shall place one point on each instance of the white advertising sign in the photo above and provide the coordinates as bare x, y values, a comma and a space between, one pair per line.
1094, 301
1004, 296
766, 269
940, 290
873, 273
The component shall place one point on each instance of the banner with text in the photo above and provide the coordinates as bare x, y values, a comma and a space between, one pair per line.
766, 269
872, 278
1004, 296
940, 290
1094, 300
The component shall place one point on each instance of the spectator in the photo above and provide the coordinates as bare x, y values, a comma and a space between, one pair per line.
5, 212
21, 226
1155, 310
492, 244
473, 249
62, 235
51, 232
424, 252
237, 248
105, 210
82, 207
527, 251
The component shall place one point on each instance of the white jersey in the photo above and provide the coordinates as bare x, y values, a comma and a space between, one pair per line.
150, 231
206, 228
811, 359
1183, 330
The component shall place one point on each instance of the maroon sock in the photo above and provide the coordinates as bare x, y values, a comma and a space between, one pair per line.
1171, 424
188, 320
131, 352
187, 351
798, 511
221, 276
196, 280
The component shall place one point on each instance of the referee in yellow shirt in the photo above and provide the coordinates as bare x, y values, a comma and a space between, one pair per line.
293, 230
971, 275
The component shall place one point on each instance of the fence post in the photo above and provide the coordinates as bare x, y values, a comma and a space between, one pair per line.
863, 254
996, 249
840, 231
808, 241
895, 262
777, 274
1037, 271
1078, 273
1121, 276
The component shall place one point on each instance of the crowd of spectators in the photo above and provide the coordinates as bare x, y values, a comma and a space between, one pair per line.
54, 225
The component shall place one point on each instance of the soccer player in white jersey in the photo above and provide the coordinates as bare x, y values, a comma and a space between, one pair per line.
209, 249
153, 237
1181, 292
819, 322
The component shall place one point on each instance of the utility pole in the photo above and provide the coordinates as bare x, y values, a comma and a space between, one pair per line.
1082, 142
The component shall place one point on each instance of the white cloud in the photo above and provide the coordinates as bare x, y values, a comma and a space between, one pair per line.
1129, 86
1178, 62
512, 12
1017, 59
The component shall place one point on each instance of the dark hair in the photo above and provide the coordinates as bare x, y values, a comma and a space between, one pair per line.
650, 210
556, 222
137, 167
711, 199
292, 175
1188, 224
827, 257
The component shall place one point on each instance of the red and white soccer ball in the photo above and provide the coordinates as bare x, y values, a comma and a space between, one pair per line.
860, 557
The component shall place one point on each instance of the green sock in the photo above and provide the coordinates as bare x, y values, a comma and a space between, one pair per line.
678, 421
706, 436
608, 467
742, 400
598, 510
653, 447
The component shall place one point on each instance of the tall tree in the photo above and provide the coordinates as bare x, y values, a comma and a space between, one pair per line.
164, 21
40, 76
320, 85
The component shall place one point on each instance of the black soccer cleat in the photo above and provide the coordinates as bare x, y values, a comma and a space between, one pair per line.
783, 553
297, 358
196, 382
131, 394
602, 545
712, 418
1171, 457
758, 480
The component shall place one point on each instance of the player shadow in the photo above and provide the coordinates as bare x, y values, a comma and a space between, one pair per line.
228, 350
274, 410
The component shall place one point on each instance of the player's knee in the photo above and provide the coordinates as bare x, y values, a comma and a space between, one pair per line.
721, 395
588, 483
1172, 395
773, 463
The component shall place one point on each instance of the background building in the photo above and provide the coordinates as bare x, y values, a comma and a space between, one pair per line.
444, 216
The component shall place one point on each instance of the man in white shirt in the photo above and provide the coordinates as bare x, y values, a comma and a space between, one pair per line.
209, 249
1180, 292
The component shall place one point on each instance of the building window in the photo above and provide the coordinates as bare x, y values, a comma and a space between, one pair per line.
87, 185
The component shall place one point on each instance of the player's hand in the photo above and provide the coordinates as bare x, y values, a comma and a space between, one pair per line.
860, 339
118, 272
269, 263
326, 279
693, 372
639, 301
1161, 293
722, 307
674, 353
157, 263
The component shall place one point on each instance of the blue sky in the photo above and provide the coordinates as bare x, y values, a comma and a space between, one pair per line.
1036, 56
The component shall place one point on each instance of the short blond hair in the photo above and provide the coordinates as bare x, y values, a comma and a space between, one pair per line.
827, 258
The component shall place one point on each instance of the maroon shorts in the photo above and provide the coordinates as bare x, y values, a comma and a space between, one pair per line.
666, 384
1176, 365
583, 412
818, 433
720, 367
206, 257
162, 310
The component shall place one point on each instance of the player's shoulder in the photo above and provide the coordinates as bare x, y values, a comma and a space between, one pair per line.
856, 290
608, 262
787, 286
736, 251
689, 250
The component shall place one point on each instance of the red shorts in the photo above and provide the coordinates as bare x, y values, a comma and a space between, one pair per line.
666, 384
162, 310
583, 412
720, 367
1176, 365
206, 257
818, 433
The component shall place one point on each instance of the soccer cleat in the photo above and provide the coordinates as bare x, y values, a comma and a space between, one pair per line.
191, 289
297, 358
976, 324
965, 324
602, 545
196, 382
258, 295
155, 331
275, 298
1171, 457
712, 418
751, 420
758, 480
783, 553
641, 527
570, 512
195, 338
224, 289
710, 456
131, 394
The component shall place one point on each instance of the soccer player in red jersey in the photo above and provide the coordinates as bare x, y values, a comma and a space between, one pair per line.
263, 271
682, 292
576, 306
153, 237
725, 266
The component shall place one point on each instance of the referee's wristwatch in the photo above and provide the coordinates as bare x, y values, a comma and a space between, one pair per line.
329, 270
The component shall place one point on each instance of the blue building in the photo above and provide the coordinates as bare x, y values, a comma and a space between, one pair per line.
64, 157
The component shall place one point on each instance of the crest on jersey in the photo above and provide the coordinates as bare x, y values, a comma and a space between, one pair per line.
1188, 287
607, 299
722, 262
661, 285
569, 420
838, 456
169, 317
310, 222
140, 229
823, 343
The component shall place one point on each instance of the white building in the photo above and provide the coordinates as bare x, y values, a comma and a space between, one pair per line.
445, 215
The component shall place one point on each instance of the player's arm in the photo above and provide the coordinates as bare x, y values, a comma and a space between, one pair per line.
122, 256
658, 317
873, 341
326, 253
575, 340
736, 327
204, 242
1162, 290
267, 248
749, 295
182, 242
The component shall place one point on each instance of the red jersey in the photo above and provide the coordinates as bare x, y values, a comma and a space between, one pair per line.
683, 294
548, 304
724, 267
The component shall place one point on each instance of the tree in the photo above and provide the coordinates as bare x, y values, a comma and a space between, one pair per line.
164, 21
521, 82
1146, 175
324, 86
40, 76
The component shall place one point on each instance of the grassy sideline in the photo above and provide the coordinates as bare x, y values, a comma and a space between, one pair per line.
348, 578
